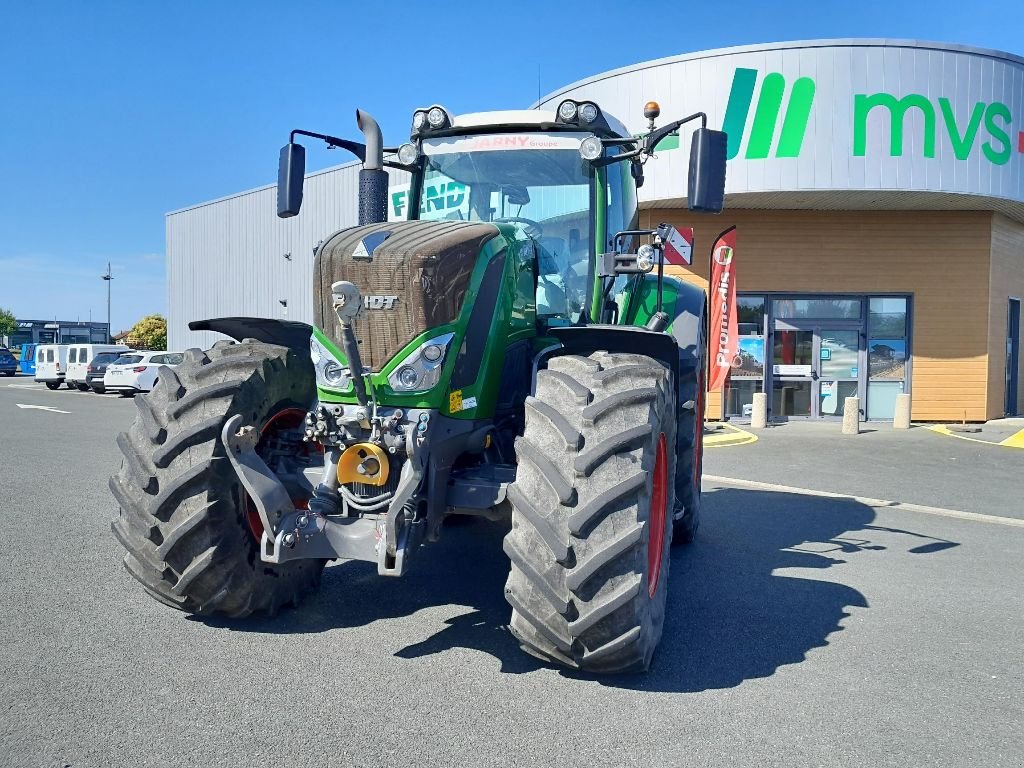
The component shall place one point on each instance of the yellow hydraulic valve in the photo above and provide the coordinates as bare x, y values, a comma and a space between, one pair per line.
363, 463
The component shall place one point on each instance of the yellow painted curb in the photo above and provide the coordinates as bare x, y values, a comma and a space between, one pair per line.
1013, 441
735, 436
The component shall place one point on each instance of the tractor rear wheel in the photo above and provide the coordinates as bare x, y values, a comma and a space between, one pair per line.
591, 512
185, 520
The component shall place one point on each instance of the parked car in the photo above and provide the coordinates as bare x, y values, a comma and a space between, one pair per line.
96, 369
8, 365
79, 357
51, 364
28, 359
138, 371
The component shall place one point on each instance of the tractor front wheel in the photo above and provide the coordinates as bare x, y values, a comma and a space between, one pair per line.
185, 520
592, 512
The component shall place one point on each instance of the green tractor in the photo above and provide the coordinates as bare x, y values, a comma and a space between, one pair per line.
513, 350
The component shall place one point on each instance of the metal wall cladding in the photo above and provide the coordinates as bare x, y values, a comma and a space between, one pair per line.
972, 105
419, 276
235, 257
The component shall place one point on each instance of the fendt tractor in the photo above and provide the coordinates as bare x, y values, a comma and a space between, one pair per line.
513, 350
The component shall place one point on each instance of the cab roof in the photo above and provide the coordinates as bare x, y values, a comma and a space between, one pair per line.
525, 119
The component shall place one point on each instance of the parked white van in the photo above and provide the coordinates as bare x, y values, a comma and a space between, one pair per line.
51, 364
79, 357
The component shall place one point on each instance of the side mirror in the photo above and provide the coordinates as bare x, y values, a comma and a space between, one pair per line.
708, 152
291, 170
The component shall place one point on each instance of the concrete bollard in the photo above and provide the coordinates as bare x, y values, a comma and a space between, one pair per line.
851, 416
759, 415
901, 417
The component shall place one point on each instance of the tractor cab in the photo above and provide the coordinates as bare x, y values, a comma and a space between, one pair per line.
533, 170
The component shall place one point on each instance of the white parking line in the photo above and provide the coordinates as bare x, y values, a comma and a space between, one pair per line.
976, 517
41, 408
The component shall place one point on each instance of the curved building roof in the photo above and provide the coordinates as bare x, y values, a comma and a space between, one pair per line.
836, 124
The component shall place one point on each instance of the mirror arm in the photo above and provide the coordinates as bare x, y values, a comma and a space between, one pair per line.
601, 162
652, 139
333, 142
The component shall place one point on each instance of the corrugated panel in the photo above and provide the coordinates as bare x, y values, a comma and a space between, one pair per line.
236, 257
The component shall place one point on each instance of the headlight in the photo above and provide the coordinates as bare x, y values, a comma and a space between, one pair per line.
407, 154
329, 370
567, 110
422, 369
646, 257
335, 374
408, 377
436, 117
588, 112
419, 120
591, 148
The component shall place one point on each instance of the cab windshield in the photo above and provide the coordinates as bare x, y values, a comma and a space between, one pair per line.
539, 182
534, 180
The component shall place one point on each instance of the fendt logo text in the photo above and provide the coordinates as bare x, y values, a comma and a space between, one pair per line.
977, 124
766, 115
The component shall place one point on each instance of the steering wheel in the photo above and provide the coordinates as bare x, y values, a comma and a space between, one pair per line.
533, 228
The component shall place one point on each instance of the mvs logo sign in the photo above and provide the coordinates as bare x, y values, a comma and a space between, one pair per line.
962, 130
968, 127
766, 114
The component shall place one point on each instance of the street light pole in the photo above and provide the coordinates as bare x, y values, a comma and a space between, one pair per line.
108, 277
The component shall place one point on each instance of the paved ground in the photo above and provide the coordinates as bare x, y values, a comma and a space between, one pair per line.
916, 465
801, 631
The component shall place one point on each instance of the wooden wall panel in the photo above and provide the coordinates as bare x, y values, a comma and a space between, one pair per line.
1007, 280
939, 257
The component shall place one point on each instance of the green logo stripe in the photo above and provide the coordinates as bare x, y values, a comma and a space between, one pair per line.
742, 92
765, 117
795, 123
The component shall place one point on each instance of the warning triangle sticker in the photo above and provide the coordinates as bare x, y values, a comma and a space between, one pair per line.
679, 246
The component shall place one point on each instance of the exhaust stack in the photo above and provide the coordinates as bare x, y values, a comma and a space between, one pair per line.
373, 179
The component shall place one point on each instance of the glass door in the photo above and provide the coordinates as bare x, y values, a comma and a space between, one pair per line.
814, 369
792, 372
838, 368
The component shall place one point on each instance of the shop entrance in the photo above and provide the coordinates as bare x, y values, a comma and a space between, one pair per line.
814, 368
810, 352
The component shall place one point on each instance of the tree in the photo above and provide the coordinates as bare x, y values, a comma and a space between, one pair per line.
149, 333
8, 324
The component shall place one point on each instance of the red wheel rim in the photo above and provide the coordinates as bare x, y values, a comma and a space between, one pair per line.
659, 500
282, 421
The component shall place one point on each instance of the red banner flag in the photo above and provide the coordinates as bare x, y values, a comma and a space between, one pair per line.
723, 342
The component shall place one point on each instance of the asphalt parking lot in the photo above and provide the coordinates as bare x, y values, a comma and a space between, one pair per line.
801, 630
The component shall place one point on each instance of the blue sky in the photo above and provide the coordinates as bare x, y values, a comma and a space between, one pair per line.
114, 113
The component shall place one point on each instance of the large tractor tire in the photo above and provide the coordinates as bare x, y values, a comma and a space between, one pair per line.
690, 441
191, 532
591, 512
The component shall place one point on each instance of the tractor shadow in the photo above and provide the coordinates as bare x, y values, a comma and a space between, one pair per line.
730, 615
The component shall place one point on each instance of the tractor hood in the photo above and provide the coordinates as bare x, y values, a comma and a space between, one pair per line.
412, 276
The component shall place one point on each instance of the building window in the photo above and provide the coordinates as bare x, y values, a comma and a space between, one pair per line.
748, 377
887, 354
825, 309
